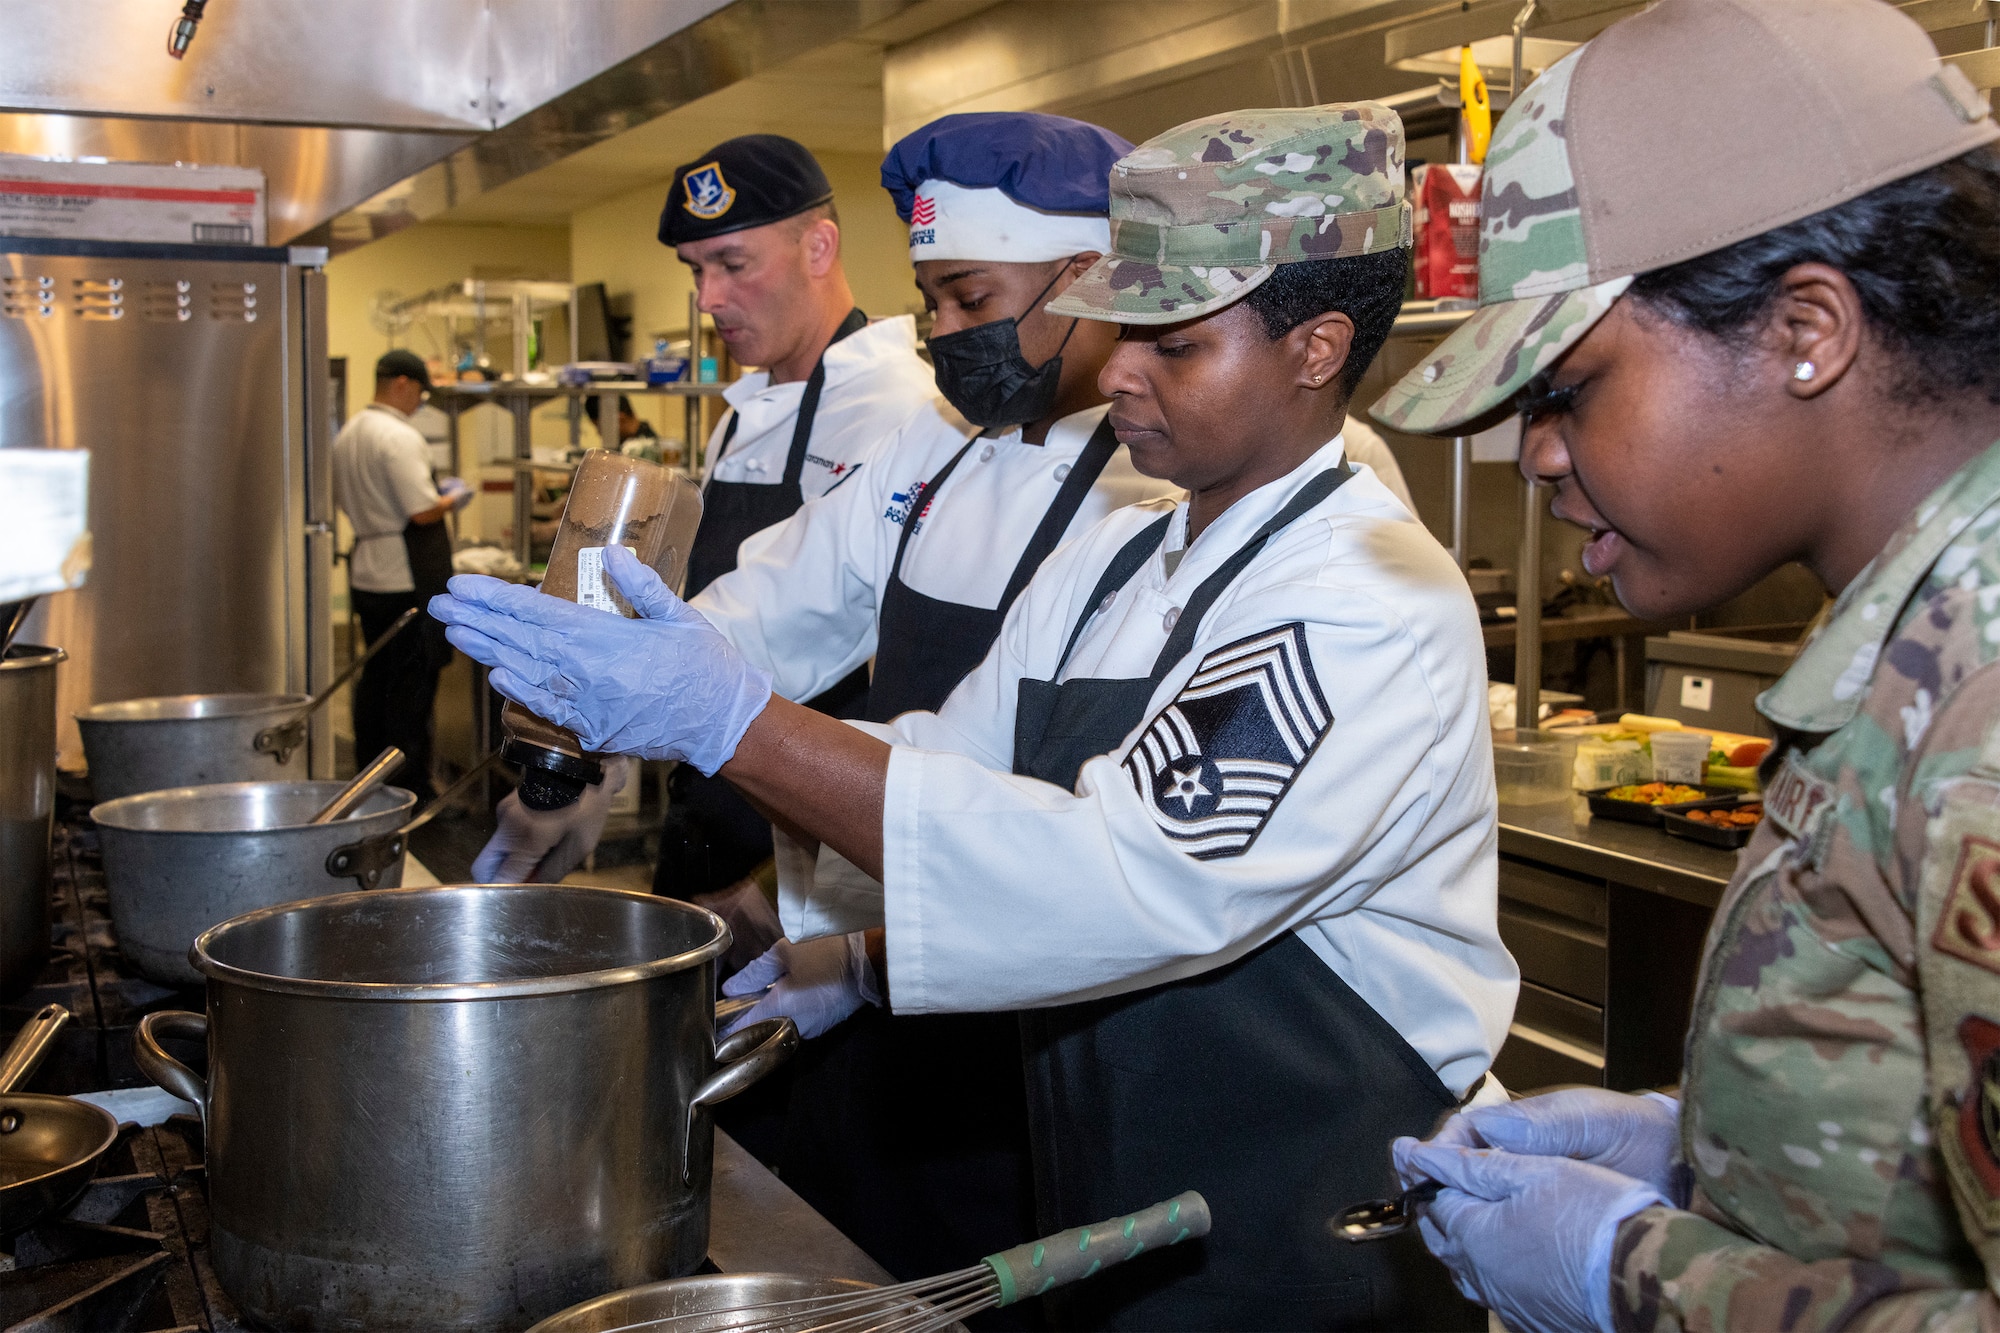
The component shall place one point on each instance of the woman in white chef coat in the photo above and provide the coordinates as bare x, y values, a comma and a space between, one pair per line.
1219, 804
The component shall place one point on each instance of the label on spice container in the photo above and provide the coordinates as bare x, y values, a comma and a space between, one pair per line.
594, 587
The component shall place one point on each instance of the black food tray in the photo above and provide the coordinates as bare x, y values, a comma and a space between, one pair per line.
1637, 812
1729, 839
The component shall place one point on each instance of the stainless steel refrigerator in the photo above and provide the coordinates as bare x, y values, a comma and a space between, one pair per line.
196, 376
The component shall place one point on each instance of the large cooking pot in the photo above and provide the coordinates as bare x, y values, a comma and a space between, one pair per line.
188, 740
27, 807
179, 861
458, 1108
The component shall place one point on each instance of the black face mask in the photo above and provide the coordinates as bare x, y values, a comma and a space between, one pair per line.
982, 373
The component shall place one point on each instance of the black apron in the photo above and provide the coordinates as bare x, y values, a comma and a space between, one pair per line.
734, 510
925, 646
428, 546
711, 838
1267, 1084
910, 1133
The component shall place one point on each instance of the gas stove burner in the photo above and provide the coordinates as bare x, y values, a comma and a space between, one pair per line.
131, 1254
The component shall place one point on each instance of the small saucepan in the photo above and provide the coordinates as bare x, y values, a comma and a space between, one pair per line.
49, 1146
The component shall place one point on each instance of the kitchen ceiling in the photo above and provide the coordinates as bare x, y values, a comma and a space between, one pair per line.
829, 99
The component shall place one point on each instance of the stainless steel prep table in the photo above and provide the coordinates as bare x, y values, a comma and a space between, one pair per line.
1607, 921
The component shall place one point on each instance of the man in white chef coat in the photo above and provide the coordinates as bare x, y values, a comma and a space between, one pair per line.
1218, 807
754, 220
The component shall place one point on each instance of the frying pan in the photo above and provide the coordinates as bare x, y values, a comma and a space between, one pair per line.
49, 1146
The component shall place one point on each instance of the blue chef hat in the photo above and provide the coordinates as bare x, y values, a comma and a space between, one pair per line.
1013, 186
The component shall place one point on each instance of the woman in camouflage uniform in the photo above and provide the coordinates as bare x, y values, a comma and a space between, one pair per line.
1740, 271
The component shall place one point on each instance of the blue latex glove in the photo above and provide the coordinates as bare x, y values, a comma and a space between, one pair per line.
457, 490
816, 984
664, 686
1637, 1136
1529, 1238
541, 846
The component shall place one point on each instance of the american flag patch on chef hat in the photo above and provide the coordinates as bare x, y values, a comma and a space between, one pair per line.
1217, 760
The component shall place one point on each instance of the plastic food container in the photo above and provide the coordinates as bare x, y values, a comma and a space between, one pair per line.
1601, 763
1680, 756
1532, 767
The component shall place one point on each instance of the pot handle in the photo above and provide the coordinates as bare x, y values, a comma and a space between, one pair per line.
745, 1056
163, 1069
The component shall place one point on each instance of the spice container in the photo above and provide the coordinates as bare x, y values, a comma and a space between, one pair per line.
614, 500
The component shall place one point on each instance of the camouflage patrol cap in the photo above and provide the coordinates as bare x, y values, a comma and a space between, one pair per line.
1205, 212
1678, 132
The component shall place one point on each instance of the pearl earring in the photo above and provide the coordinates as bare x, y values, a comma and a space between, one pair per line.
1804, 371
1318, 378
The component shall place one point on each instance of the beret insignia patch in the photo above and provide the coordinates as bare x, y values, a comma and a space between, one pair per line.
708, 194
1217, 760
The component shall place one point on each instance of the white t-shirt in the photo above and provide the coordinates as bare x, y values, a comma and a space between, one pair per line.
381, 476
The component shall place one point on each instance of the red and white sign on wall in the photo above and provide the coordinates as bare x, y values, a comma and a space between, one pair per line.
131, 201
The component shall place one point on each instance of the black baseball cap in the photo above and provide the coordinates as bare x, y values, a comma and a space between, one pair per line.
746, 182
402, 361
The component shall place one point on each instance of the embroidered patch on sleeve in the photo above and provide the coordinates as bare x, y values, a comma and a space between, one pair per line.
1969, 925
1216, 761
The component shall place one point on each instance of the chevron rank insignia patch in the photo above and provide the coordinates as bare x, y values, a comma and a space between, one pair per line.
1217, 760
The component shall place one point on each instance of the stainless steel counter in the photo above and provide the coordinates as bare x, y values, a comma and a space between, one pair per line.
1607, 921
757, 1225
1565, 836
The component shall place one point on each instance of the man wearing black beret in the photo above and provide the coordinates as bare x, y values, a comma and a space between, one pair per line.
754, 219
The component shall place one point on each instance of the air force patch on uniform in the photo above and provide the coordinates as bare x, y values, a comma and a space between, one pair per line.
708, 194
1217, 760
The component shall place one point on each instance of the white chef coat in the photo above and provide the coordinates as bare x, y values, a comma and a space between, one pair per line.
381, 476
1006, 892
1364, 446
803, 599
875, 381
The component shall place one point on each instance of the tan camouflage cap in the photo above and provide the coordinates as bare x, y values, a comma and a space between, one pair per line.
1672, 134
1203, 213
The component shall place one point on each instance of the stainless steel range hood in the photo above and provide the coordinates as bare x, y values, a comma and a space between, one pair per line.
367, 115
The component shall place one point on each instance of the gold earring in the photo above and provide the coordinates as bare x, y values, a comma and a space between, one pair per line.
1318, 378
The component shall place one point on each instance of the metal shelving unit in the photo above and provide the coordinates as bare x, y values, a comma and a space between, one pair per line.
520, 400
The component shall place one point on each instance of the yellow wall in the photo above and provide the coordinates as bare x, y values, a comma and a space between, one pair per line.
418, 259
616, 243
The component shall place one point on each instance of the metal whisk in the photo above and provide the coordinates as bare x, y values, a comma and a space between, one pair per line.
938, 1302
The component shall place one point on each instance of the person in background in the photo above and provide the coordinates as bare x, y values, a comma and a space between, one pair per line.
401, 559
754, 220
1740, 273
1217, 808
634, 436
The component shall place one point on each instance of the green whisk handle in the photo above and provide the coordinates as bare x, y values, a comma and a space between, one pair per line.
1031, 1269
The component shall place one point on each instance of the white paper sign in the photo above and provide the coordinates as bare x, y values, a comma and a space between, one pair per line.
44, 512
594, 587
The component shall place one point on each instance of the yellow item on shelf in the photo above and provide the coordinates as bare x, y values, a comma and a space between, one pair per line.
1640, 722
1478, 108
